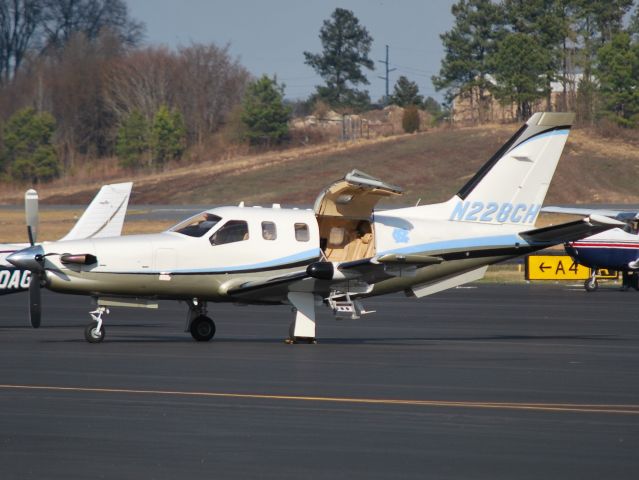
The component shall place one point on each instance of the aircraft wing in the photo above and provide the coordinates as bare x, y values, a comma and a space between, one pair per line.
624, 215
104, 216
363, 272
356, 276
570, 231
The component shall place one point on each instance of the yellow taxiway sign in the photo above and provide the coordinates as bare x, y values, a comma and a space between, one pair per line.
559, 267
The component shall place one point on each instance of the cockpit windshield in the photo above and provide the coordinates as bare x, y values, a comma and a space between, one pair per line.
196, 226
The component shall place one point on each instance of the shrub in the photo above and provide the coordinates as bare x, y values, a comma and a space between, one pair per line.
29, 153
410, 119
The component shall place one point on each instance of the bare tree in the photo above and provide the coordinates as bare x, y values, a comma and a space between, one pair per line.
76, 83
211, 83
202, 82
63, 18
142, 81
19, 23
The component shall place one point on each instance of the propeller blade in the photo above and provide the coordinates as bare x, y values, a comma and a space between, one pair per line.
31, 213
35, 298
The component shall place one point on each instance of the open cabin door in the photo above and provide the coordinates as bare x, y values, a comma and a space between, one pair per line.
344, 211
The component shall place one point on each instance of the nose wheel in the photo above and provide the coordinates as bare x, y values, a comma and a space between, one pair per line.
94, 331
591, 284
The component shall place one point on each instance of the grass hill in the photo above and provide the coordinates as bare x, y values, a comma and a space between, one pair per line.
431, 166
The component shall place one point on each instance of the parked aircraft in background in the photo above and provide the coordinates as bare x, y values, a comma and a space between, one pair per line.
336, 254
616, 249
103, 217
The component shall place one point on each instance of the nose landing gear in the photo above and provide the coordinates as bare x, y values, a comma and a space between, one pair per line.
94, 331
591, 284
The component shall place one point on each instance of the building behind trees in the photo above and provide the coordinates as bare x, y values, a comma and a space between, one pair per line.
505, 59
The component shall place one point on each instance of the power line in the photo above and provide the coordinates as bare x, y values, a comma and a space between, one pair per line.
415, 69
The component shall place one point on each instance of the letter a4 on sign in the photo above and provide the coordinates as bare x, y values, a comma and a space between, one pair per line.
554, 267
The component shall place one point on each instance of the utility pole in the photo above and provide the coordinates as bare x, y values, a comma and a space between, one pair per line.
386, 78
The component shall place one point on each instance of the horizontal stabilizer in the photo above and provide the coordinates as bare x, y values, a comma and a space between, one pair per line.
570, 231
624, 215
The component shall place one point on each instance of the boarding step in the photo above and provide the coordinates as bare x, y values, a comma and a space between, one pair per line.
346, 308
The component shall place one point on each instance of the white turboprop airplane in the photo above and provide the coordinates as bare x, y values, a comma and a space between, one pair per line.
337, 254
103, 217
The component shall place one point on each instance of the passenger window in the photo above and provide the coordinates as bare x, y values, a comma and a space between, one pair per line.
269, 231
301, 232
231, 231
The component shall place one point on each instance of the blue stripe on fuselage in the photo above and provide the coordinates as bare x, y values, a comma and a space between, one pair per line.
470, 243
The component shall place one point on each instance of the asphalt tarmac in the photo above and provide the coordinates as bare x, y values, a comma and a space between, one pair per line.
486, 382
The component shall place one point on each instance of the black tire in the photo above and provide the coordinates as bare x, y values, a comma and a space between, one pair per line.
92, 335
591, 285
202, 328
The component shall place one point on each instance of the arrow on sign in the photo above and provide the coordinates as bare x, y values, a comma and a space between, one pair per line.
543, 267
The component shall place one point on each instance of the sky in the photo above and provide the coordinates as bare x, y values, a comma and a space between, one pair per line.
270, 36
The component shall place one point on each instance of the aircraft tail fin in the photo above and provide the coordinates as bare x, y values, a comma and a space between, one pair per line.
512, 185
104, 216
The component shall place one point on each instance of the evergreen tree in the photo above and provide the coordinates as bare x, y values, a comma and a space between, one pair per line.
633, 27
263, 112
465, 67
132, 143
597, 21
433, 107
406, 93
29, 154
519, 64
168, 136
548, 22
605, 17
345, 48
618, 75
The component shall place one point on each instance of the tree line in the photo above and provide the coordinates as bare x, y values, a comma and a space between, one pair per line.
77, 86
515, 50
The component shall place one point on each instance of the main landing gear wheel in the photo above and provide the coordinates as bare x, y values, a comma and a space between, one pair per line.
591, 285
202, 329
92, 334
